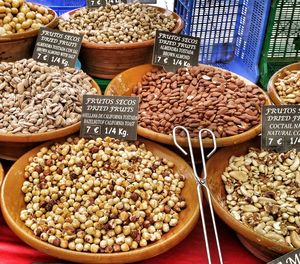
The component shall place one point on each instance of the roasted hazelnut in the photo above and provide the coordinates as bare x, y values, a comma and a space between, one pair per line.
88, 207
134, 196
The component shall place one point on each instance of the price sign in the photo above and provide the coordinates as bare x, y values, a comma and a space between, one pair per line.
289, 258
281, 127
173, 51
148, 1
57, 48
98, 3
113, 116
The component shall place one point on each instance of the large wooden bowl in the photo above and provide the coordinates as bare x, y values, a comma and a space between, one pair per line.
259, 245
1, 174
12, 202
21, 45
107, 60
276, 99
12, 146
123, 84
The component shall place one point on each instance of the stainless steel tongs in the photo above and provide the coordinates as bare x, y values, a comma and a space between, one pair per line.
201, 182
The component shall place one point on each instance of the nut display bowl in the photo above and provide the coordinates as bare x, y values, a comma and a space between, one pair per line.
123, 84
12, 146
20, 45
275, 98
107, 60
12, 202
259, 245
1, 174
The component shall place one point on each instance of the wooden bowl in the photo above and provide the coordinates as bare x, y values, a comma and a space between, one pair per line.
107, 60
259, 245
1, 177
12, 146
275, 98
12, 202
123, 84
21, 45
1, 174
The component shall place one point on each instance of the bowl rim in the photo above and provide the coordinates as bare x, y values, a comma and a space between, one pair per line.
33, 32
207, 143
39, 137
47, 248
275, 98
87, 44
1, 174
233, 223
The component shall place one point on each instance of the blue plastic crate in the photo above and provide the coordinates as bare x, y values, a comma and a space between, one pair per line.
231, 32
62, 6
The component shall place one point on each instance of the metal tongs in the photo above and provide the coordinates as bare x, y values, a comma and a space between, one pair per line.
201, 182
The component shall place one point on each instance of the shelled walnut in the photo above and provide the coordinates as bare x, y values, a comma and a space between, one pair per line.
101, 195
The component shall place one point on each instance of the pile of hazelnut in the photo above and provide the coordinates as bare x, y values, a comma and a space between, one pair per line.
102, 195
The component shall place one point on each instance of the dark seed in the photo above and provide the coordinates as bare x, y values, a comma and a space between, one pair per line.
73, 176
146, 224
116, 248
94, 150
269, 195
38, 169
134, 196
133, 218
109, 249
79, 164
48, 162
107, 226
134, 234
56, 242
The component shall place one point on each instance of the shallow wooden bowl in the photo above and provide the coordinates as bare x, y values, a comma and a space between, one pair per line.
1, 174
20, 46
259, 245
1, 177
108, 60
12, 146
280, 74
123, 84
12, 202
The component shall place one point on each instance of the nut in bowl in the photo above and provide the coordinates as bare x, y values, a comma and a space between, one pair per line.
255, 193
284, 86
119, 37
195, 97
19, 25
114, 210
1, 174
39, 103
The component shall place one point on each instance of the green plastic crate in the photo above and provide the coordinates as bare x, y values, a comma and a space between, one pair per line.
282, 41
102, 83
